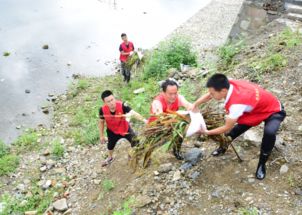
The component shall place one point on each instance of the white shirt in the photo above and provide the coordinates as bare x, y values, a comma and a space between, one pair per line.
236, 110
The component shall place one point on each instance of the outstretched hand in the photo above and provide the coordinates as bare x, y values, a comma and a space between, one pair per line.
103, 140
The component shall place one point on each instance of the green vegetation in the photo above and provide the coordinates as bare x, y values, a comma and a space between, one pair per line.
57, 149
169, 54
107, 185
27, 141
77, 86
271, 62
248, 211
287, 38
126, 208
4, 149
38, 201
227, 52
6, 54
8, 162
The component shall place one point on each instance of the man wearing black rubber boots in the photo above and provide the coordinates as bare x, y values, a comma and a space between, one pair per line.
247, 105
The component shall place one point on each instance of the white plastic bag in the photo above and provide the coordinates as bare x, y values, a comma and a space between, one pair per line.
197, 123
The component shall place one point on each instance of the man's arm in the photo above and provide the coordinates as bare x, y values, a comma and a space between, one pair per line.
101, 129
137, 116
203, 99
156, 107
184, 103
229, 124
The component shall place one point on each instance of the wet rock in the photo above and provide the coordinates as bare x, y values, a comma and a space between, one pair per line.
27, 91
164, 168
45, 46
283, 169
186, 166
45, 109
193, 156
60, 205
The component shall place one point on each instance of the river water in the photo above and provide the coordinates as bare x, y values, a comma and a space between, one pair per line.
83, 38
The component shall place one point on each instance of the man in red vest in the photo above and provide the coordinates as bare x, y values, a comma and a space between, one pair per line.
114, 114
247, 105
126, 49
169, 100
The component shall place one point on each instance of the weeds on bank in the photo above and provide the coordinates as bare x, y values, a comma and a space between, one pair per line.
108, 185
38, 200
169, 54
227, 52
27, 141
8, 162
248, 211
57, 149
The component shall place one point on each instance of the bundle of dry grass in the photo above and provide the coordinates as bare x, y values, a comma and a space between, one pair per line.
169, 130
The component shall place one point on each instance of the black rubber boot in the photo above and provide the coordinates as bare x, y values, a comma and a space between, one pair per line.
219, 151
261, 169
177, 154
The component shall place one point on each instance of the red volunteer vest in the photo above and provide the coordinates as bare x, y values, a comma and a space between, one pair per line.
130, 48
263, 102
115, 123
166, 107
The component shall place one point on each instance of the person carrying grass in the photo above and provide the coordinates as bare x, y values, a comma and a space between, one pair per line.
247, 105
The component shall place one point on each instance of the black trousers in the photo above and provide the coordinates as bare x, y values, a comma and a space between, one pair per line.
114, 138
125, 72
271, 126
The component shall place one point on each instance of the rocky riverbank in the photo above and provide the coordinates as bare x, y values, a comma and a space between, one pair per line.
60, 168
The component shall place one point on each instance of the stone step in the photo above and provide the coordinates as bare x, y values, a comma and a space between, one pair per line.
294, 16
292, 8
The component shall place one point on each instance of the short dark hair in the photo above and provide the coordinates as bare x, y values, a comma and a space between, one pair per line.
105, 94
218, 82
167, 83
123, 34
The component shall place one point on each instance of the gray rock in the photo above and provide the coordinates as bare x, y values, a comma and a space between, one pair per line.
252, 137
283, 169
298, 191
194, 175
186, 166
21, 187
193, 156
46, 185
176, 176
60, 205
142, 201
164, 168
27, 91
43, 168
